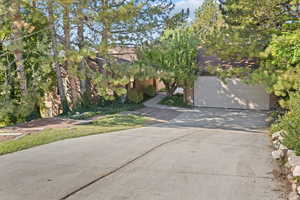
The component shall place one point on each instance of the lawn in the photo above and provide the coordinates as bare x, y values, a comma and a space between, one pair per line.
106, 124
176, 100
107, 110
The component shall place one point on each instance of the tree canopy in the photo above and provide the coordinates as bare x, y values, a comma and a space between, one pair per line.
62, 51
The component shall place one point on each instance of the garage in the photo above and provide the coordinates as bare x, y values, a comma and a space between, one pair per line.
210, 91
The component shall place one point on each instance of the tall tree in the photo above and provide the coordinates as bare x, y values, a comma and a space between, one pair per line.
60, 82
67, 49
208, 19
174, 56
17, 37
251, 23
81, 46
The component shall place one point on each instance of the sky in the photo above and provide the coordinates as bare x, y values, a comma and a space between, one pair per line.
184, 4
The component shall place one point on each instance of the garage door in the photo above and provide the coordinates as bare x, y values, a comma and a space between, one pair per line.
212, 92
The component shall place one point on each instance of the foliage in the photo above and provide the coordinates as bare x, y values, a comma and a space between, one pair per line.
290, 123
280, 69
176, 100
251, 24
208, 19
174, 57
66, 48
135, 96
104, 125
150, 91
15, 107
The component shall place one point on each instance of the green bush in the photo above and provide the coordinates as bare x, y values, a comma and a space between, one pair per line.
176, 100
290, 123
150, 91
135, 96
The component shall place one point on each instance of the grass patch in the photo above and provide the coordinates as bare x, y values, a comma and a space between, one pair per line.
104, 125
107, 110
176, 100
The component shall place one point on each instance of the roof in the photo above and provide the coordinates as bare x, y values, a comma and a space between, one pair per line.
124, 54
204, 60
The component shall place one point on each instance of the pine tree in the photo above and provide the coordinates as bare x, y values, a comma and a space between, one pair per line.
57, 67
17, 24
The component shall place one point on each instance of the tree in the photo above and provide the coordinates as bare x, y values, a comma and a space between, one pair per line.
268, 28
66, 47
23, 38
251, 23
125, 25
174, 56
17, 24
280, 71
57, 67
208, 19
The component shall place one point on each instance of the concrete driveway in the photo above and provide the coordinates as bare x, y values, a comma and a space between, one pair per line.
207, 154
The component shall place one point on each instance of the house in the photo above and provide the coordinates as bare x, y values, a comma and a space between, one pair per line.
129, 55
210, 91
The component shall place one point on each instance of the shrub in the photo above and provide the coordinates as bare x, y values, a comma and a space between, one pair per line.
135, 96
290, 123
150, 91
176, 100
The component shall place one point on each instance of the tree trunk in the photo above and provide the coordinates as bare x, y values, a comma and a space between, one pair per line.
67, 47
60, 83
18, 45
82, 67
170, 86
188, 93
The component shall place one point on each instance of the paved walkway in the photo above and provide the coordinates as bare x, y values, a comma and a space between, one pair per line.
154, 103
206, 154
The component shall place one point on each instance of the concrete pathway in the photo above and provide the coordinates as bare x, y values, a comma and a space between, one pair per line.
154, 103
206, 154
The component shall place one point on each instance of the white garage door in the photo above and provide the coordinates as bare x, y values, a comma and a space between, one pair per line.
212, 92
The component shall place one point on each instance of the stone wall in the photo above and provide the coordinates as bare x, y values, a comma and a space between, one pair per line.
290, 163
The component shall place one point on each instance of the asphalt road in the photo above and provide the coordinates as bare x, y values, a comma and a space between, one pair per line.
201, 155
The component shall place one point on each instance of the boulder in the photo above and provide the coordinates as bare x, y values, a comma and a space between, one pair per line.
298, 189
293, 160
296, 171
293, 196
294, 187
278, 154
278, 135
276, 144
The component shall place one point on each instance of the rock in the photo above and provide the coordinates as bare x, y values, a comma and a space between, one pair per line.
77, 113
293, 196
294, 187
293, 160
291, 153
282, 147
278, 135
276, 144
290, 178
298, 189
277, 154
296, 171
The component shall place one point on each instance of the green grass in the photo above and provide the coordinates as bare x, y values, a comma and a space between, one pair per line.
104, 125
108, 110
176, 100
